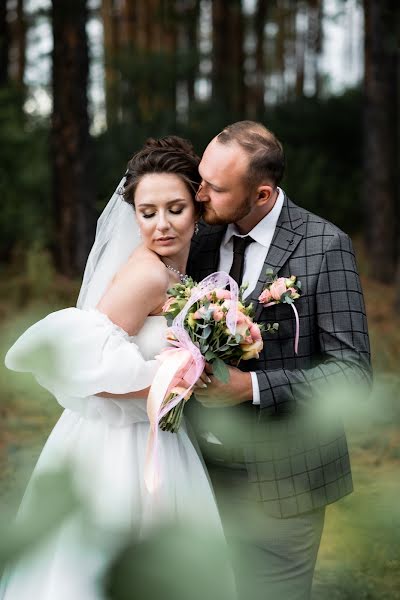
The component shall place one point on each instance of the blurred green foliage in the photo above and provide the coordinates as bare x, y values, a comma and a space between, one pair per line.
323, 143
25, 216
176, 562
51, 500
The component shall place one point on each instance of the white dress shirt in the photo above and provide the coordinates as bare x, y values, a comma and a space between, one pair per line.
254, 258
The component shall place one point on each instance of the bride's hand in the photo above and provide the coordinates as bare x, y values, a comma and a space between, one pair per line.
204, 379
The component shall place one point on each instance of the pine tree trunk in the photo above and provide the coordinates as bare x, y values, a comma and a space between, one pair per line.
18, 45
380, 136
4, 44
228, 89
300, 49
260, 17
192, 42
236, 42
110, 33
314, 40
73, 194
281, 49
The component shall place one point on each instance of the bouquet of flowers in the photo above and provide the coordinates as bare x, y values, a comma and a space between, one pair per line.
210, 330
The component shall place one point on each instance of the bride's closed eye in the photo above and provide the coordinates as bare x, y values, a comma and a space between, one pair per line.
173, 212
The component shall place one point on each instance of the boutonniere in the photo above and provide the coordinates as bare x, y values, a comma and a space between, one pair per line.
282, 290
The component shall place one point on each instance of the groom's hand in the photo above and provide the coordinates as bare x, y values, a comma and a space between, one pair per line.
212, 393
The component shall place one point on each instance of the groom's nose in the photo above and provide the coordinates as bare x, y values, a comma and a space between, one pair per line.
201, 192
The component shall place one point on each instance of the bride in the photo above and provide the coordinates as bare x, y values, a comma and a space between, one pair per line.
98, 360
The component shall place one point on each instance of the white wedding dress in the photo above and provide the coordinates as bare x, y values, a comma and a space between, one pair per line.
76, 354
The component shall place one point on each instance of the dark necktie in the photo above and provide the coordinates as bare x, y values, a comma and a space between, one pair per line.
239, 246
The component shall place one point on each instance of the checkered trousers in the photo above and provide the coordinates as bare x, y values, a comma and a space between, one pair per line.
296, 456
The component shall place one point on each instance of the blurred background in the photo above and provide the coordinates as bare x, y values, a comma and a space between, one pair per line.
84, 82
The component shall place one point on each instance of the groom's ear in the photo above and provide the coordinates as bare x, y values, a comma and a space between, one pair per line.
264, 194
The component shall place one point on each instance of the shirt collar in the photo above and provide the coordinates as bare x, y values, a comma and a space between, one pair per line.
259, 233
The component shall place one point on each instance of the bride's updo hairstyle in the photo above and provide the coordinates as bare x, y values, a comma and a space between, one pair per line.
170, 154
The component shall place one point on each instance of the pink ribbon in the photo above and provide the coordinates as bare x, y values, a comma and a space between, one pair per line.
296, 314
184, 361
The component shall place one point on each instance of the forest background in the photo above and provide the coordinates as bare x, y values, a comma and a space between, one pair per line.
84, 83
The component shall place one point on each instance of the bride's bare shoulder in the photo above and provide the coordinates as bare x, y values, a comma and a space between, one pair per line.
145, 266
137, 290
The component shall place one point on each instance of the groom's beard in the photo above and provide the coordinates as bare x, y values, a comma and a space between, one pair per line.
230, 215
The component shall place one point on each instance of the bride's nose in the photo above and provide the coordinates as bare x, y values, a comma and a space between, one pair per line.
162, 222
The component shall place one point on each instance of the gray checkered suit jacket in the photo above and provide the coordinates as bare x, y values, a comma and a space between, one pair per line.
294, 463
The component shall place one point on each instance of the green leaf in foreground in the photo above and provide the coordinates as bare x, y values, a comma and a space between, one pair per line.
220, 370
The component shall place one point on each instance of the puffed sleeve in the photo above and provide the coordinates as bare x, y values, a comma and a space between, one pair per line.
77, 353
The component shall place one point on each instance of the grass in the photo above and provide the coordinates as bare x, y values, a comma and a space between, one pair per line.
359, 555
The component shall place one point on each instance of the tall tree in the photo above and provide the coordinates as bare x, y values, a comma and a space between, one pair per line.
228, 57
72, 182
4, 44
301, 28
257, 101
18, 44
191, 44
381, 128
281, 50
314, 41
140, 60
110, 34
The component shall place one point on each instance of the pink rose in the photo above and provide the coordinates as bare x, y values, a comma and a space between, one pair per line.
255, 332
216, 311
199, 314
293, 293
241, 318
170, 301
243, 324
251, 350
220, 294
241, 329
265, 297
278, 288
223, 294
218, 314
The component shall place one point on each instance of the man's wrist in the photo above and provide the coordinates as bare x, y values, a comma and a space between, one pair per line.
245, 387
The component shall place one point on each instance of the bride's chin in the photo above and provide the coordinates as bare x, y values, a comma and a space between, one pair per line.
171, 251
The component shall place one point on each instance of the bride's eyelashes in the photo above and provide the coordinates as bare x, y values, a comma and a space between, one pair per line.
173, 212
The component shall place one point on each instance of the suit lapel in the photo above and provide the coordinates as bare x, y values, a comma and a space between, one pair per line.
205, 256
288, 233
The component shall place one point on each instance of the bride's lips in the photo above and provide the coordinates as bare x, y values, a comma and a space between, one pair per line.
165, 241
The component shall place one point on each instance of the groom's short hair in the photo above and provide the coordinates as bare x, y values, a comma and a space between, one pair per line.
267, 160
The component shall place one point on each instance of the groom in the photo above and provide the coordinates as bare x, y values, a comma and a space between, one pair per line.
274, 461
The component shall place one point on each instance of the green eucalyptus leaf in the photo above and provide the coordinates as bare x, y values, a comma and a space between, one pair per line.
223, 348
220, 370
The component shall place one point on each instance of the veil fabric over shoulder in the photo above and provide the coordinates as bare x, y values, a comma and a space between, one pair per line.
117, 235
